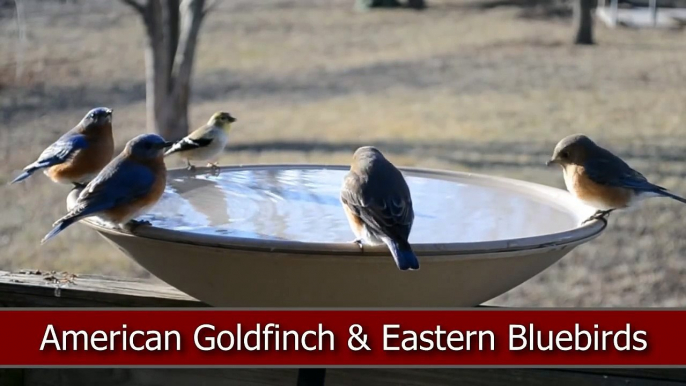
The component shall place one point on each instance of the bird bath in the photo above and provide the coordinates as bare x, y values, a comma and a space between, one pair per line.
277, 236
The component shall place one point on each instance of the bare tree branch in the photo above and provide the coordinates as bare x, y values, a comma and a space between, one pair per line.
191, 19
172, 23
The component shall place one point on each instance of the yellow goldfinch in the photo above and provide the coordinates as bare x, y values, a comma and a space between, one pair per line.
205, 143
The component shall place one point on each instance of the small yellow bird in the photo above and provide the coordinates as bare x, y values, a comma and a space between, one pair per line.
205, 143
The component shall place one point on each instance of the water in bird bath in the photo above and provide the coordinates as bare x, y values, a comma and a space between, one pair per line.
303, 205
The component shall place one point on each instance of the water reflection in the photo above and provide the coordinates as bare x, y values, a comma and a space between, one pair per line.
303, 205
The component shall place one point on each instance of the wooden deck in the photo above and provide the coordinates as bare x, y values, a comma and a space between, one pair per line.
46, 289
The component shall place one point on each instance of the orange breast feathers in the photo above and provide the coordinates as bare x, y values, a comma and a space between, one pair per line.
123, 213
86, 163
601, 196
355, 222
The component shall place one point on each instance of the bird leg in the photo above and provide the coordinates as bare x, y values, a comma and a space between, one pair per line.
214, 166
359, 244
189, 166
601, 215
132, 225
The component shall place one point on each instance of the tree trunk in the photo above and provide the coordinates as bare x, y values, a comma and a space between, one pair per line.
583, 21
367, 4
416, 4
192, 12
172, 30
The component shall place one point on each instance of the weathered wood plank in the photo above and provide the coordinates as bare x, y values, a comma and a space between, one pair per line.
482, 377
12, 377
664, 374
37, 289
334, 377
40, 289
160, 377
311, 377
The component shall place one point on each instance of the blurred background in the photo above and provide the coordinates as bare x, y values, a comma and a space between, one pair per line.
473, 85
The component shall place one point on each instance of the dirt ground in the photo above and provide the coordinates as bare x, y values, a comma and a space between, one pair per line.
458, 86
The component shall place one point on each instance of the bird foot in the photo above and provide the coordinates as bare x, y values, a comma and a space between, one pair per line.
601, 215
190, 168
359, 244
132, 225
214, 167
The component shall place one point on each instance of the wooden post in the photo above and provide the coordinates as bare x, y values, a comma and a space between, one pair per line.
311, 377
11, 377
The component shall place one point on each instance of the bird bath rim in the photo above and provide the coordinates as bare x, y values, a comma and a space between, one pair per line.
549, 194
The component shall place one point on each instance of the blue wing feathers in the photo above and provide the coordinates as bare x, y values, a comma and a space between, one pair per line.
120, 182
612, 171
55, 154
61, 150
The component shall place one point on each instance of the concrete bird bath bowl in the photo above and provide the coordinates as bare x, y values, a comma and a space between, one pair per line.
276, 236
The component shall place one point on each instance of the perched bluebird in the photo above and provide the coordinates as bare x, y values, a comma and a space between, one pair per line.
377, 202
127, 187
600, 179
205, 143
80, 154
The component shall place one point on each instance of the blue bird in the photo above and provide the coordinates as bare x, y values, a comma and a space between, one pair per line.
127, 187
378, 204
78, 155
600, 179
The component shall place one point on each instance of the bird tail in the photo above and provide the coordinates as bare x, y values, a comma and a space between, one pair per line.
28, 171
77, 213
666, 193
24, 175
403, 255
59, 226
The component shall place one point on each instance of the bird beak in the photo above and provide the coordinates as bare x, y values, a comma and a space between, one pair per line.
551, 162
232, 119
109, 111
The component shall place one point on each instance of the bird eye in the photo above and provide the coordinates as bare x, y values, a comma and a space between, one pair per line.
564, 154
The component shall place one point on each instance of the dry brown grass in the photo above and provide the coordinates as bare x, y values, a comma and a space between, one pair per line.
451, 87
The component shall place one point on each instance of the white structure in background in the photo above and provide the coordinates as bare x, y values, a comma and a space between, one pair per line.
641, 17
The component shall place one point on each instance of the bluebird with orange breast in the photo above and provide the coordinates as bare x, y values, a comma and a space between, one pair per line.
127, 187
377, 202
600, 179
79, 155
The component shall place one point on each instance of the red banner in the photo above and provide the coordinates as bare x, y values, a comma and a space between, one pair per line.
331, 338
